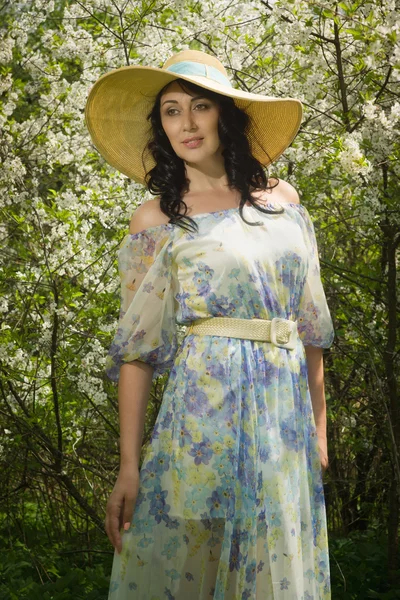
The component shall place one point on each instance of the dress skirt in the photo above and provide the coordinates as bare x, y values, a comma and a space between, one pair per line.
231, 503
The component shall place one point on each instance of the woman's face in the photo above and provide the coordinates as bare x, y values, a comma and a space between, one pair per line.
185, 116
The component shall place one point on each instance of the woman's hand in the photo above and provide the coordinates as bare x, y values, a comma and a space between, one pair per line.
121, 504
323, 454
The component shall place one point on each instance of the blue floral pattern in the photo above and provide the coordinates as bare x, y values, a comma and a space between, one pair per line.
231, 503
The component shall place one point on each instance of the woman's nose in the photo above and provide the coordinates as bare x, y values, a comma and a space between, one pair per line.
188, 120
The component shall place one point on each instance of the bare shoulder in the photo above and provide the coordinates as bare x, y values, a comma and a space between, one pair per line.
288, 192
282, 192
147, 215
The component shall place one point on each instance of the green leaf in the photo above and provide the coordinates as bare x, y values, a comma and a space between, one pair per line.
355, 33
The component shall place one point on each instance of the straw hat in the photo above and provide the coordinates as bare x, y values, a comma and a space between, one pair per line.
120, 100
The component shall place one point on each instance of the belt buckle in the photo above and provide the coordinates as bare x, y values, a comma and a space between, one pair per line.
290, 342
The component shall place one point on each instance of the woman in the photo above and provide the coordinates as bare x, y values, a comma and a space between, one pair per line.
229, 502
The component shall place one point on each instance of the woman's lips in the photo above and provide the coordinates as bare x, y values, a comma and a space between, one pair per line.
193, 143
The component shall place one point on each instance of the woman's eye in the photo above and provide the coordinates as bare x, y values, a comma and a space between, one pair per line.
172, 111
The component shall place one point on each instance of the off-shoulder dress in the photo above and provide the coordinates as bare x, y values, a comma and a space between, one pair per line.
231, 501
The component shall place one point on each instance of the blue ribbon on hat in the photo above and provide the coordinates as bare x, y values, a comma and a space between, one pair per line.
189, 67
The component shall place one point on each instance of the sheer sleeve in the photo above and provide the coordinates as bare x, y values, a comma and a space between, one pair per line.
146, 328
314, 320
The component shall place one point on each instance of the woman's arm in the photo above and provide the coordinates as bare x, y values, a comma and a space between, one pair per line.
133, 395
315, 367
135, 378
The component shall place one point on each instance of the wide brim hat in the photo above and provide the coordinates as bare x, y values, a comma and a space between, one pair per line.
120, 100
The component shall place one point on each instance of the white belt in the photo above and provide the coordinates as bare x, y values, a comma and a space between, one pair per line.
280, 332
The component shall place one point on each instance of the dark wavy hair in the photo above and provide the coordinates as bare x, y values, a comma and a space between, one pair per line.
168, 177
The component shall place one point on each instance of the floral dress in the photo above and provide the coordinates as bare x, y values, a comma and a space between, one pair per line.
231, 501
